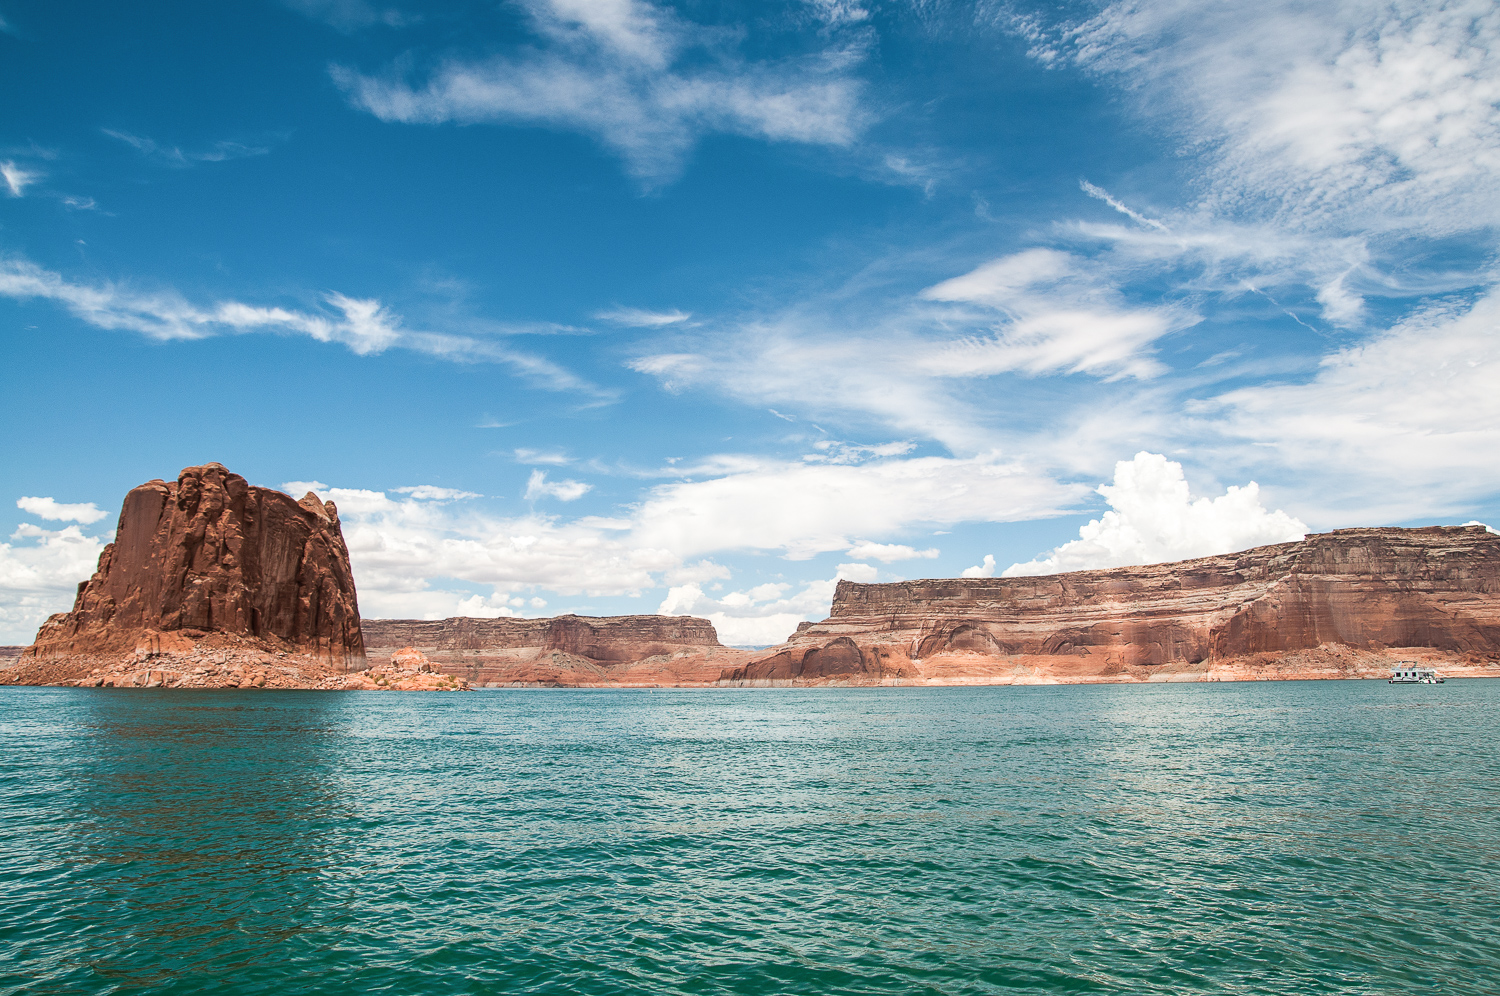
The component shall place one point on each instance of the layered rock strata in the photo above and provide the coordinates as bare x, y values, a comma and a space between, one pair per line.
208, 560
620, 651
1343, 604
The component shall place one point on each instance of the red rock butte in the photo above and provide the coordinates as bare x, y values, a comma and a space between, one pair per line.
209, 558
1340, 604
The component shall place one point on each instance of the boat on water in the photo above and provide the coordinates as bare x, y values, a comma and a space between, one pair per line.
1408, 673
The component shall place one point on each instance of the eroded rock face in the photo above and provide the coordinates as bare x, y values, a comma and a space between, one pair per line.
563, 650
211, 558
1377, 590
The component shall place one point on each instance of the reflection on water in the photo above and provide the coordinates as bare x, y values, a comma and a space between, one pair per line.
181, 831
1294, 837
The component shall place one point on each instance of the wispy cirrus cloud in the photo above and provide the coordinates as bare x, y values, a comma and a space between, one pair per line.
909, 362
642, 318
1398, 426
1375, 115
627, 72
17, 178
1053, 315
551, 458
1395, 426
365, 326
351, 15
171, 155
431, 492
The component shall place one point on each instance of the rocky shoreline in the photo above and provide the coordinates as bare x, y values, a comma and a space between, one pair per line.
230, 667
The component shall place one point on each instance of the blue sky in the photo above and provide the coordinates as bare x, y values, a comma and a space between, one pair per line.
611, 306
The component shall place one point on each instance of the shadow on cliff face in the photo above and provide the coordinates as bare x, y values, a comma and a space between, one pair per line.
200, 826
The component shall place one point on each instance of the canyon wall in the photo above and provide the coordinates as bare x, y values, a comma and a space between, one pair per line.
210, 562
1344, 603
564, 650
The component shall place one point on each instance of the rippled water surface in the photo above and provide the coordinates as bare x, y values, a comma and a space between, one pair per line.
1288, 837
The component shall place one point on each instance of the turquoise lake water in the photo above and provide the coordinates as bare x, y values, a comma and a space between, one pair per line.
1277, 837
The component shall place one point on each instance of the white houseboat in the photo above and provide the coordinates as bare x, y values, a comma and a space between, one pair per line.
1407, 673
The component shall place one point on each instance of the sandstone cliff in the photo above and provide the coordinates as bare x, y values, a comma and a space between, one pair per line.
564, 650
1335, 604
209, 562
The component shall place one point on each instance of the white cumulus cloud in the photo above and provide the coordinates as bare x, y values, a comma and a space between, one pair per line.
985, 569
537, 486
765, 614
415, 556
422, 558
39, 575
49, 508
888, 552
1154, 519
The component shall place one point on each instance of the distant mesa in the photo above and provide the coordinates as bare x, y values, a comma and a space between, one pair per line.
571, 651
1342, 604
211, 566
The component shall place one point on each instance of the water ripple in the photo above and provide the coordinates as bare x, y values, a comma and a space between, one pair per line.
1287, 837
